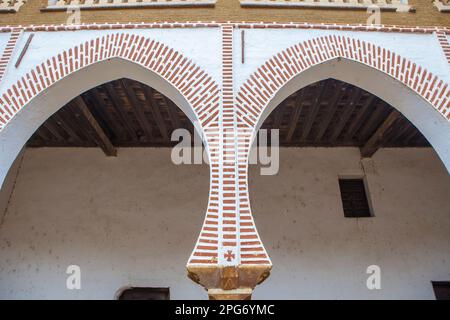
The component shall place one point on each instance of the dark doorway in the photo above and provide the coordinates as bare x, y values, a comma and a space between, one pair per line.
441, 290
145, 294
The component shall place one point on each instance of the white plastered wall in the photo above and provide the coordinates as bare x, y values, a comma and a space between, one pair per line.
261, 45
202, 45
132, 220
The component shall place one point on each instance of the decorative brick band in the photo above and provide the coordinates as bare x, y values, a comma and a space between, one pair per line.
228, 220
219, 229
242, 25
259, 89
445, 45
9, 49
194, 84
252, 251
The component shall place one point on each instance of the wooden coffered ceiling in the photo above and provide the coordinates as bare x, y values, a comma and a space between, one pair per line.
126, 113
332, 113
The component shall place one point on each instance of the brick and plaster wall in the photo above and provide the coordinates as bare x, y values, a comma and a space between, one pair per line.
131, 220
226, 85
426, 14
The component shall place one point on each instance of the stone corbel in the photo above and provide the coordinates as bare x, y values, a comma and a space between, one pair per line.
229, 282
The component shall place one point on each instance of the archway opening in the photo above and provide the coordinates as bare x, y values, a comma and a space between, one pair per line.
332, 113
332, 130
129, 113
95, 187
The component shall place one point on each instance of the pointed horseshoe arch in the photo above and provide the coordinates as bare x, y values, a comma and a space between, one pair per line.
418, 94
50, 85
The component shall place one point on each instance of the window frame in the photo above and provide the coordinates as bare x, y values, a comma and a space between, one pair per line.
366, 192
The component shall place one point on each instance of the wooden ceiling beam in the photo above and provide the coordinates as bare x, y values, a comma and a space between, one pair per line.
345, 115
104, 142
110, 107
413, 135
41, 135
107, 116
78, 121
73, 135
313, 110
295, 116
278, 118
156, 112
360, 117
49, 125
173, 112
331, 110
118, 106
138, 108
376, 117
401, 126
374, 143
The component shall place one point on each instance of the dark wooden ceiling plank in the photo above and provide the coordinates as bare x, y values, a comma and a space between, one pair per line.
360, 116
137, 107
362, 124
173, 112
374, 143
311, 116
330, 110
107, 116
118, 107
82, 124
74, 116
423, 142
376, 117
401, 126
295, 116
52, 128
346, 114
104, 143
278, 117
411, 136
41, 135
156, 112
60, 119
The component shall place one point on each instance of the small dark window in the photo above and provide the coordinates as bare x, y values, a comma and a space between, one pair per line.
145, 294
354, 198
442, 290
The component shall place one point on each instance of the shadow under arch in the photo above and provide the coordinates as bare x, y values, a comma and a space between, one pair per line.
33, 114
428, 120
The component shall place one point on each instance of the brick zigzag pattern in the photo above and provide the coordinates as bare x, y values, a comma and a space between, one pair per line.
445, 45
199, 89
207, 248
229, 235
7, 53
260, 88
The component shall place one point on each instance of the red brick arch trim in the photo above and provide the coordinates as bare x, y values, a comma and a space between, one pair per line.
259, 89
195, 85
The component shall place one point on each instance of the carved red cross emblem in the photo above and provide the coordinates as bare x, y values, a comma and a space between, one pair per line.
229, 256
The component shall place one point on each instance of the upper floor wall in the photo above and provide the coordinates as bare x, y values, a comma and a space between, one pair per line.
393, 12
